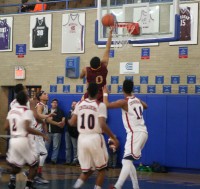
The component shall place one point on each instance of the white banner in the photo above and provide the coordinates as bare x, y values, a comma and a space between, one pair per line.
129, 67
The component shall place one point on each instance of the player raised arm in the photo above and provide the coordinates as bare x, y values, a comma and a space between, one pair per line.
83, 73
106, 130
105, 58
117, 104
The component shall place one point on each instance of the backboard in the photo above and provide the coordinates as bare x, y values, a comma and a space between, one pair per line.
158, 21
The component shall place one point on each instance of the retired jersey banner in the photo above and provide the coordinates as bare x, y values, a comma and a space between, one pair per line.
40, 32
6, 30
73, 32
114, 79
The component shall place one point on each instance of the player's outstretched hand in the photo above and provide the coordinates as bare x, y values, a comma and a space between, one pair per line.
45, 137
105, 89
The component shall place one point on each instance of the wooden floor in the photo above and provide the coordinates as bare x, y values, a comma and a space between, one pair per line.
63, 177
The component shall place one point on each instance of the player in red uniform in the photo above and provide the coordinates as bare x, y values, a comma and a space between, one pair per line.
97, 71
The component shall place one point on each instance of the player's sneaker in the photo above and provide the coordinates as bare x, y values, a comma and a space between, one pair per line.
26, 173
111, 187
40, 180
29, 187
12, 184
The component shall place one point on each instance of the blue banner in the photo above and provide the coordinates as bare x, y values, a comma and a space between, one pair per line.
112, 53
183, 89
197, 89
144, 79
151, 89
167, 89
60, 80
20, 49
114, 79
119, 89
175, 79
53, 88
183, 52
145, 53
159, 79
129, 78
191, 79
79, 88
66, 88
136, 89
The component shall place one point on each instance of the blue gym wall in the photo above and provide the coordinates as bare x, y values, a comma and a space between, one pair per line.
173, 126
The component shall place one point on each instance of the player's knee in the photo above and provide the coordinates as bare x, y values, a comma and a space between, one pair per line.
35, 166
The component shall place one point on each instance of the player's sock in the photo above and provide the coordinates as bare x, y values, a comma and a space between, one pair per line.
133, 175
78, 183
39, 171
29, 183
125, 171
12, 177
97, 187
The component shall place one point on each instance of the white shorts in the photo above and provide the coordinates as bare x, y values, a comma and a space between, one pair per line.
20, 152
92, 152
134, 144
40, 145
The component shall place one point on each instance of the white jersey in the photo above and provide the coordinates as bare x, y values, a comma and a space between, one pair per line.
17, 117
88, 111
14, 104
37, 125
72, 35
133, 119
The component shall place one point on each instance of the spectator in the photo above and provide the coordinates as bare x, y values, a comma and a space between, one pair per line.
112, 163
55, 131
40, 6
71, 138
26, 7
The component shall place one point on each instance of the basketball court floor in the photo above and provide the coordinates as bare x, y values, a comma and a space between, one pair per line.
63, 177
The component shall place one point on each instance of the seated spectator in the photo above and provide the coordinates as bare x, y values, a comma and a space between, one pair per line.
40, 6
26, 7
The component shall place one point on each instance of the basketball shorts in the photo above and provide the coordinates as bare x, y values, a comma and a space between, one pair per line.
134, 144
20, 152
40, 145
92, 152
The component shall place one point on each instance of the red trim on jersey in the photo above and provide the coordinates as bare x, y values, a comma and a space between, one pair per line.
127, 120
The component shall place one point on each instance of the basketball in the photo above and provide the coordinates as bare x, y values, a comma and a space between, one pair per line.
133, 28
108, 20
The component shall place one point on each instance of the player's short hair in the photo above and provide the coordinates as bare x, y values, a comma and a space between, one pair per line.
128, 86
22, 97
19, 87
92, 89
95, 62
39, 94
54, 100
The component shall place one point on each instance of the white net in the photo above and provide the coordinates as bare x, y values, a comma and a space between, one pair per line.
121, 40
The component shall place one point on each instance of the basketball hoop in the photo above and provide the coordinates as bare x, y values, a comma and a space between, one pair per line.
121, 40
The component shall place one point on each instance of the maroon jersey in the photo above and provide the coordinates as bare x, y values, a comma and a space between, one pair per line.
97, 76
185, 19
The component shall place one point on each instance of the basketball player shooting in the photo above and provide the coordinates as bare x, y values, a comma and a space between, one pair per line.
97, 71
